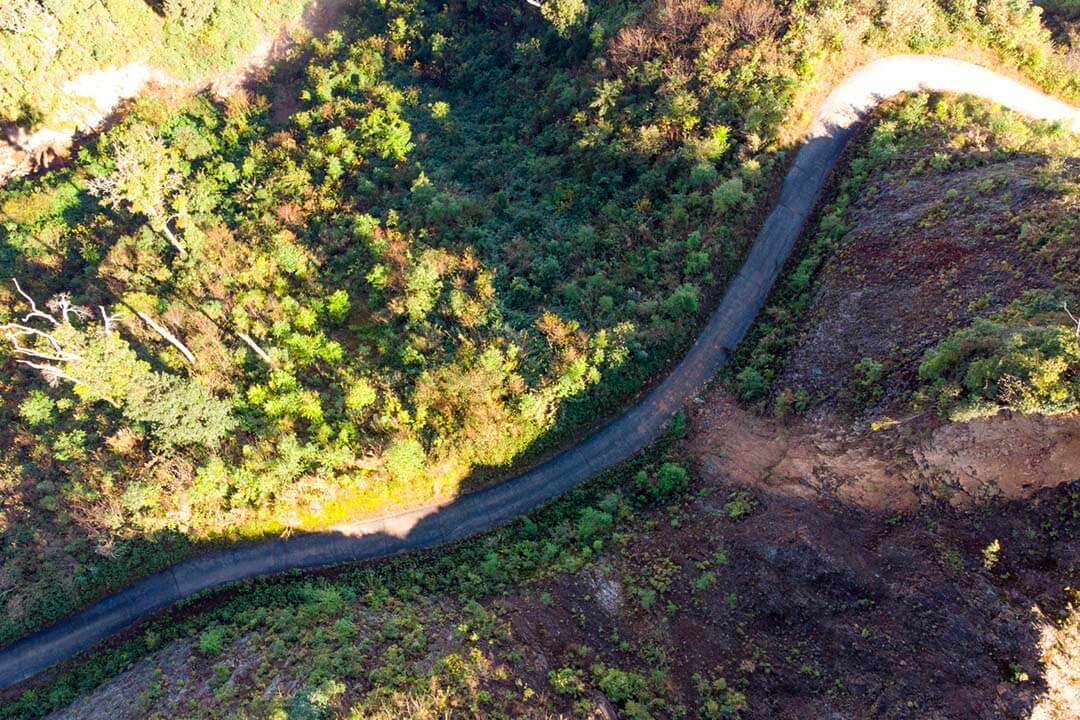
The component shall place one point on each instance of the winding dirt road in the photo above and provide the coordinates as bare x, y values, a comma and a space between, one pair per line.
836, 123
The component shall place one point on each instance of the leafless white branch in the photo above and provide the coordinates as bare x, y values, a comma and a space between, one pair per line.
1072, 317
13, 331
47, 361
168, 336
108, 321
255, 347
173, 240
62, 304
34, 312
51, 373
60, 356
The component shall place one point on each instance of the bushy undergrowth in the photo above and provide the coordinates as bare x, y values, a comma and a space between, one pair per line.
484, 227
47, 43
321, 614
919, 136
1025, 359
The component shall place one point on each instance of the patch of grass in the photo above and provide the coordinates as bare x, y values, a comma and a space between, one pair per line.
739, 505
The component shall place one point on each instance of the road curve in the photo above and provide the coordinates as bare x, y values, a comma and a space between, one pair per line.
836, 123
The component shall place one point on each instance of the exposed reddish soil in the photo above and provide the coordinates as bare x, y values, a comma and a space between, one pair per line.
831, 611
918, 572
915, 465
858, 586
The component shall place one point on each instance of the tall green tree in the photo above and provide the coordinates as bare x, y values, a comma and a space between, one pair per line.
145, 180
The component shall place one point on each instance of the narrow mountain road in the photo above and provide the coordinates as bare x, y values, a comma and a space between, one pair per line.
836, 123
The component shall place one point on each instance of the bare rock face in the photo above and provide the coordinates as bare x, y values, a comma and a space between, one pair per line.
608, 593
1005, 456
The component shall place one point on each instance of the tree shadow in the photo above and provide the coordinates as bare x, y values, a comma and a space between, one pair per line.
554, 472
622, 438
904, 610
158, 6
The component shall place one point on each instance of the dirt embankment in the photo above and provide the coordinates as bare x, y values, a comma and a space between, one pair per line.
904, 469
926, 255
812, 602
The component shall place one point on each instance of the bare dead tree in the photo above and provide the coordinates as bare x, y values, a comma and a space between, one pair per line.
48, 353
146, 180
250, 342
107, 320
1075, 320
748, 20
631, 45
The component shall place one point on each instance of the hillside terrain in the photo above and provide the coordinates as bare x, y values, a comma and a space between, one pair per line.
53, 49
838, 529
69, 67
435, 245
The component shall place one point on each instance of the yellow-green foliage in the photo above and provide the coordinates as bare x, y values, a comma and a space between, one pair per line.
472, 233
1025, 359
45, 43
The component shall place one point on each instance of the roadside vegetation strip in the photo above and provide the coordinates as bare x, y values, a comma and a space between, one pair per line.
835, 124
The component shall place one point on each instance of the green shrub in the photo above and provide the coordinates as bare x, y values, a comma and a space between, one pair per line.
718, 700
593, 523
730, 195
704, 581
212, 640
671, 480
405, 460
315, 703
750, 384
37, 409
180, 411
360, 395
337, 306
567, 681
620, 686
140, 496
1024, 359
683, 303
868, 374
565, 15
739, 505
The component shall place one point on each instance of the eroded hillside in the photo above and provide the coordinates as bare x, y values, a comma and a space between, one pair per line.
437, 243
840, 549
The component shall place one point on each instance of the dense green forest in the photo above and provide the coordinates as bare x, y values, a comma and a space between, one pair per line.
483, 226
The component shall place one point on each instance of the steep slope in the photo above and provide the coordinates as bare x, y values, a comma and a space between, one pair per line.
482, 230
810, 567
618, 441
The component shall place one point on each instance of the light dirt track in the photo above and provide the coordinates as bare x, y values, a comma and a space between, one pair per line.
834, 126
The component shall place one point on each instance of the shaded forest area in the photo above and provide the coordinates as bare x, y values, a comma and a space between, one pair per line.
484, 226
